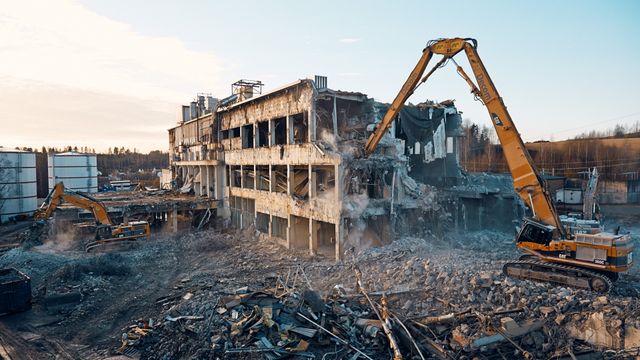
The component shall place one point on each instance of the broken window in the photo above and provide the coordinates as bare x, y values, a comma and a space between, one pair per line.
262, 222
262, 137
263, 181
234, 173
247, 136
299, 238
300, 128
248, 212
279, 131
325, 235
279, 174
234, 137
372, 180
225, 134
325, 182
300, 182
248, 177
279, 227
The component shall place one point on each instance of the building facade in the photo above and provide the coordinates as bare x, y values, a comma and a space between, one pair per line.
290, 163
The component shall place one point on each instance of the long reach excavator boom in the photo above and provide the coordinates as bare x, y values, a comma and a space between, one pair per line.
582, 260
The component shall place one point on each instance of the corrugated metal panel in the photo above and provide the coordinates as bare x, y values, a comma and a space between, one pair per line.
18, 187
79, 172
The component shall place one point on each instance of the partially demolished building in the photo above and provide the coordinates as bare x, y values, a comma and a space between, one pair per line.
290, 163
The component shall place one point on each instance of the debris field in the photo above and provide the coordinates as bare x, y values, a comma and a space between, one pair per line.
215, 297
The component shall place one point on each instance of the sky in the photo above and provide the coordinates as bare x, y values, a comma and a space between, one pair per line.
103, 73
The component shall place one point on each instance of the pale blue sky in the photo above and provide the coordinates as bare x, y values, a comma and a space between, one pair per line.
562, 67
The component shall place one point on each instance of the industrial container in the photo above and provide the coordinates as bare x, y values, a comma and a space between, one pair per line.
15, 291
569, 196
18, 187
78, 171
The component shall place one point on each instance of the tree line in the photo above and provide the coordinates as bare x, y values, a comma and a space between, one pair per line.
480, 151
119, 159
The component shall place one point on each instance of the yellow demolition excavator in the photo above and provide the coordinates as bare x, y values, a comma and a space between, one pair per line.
106, 231
553, 253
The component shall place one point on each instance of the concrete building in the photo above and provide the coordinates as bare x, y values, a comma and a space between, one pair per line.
290, 164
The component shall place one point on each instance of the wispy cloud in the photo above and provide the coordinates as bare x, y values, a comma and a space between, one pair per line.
60, 48
349, 40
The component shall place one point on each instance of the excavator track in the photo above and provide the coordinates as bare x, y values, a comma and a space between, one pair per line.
529, 269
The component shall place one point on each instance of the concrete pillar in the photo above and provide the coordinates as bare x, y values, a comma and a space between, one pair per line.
270, 230
289, 179
255, 177
314, 226
338, 182
255, 136
242, 176
272, 134
289, 234
334, 117
289, 130
173, 221
311, 121
272, 180
338, 238
312, 183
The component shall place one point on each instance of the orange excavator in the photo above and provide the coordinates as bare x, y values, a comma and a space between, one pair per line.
106, 231
553, 253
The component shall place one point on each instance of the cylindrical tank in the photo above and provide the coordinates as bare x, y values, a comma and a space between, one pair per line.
18, 187
78, 171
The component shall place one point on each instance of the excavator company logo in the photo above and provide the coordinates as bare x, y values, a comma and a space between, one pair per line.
484, 91
496, 119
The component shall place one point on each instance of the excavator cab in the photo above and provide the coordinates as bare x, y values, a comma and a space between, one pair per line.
535, 232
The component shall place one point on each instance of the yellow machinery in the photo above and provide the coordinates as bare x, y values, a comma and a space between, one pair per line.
106, 232
589, 261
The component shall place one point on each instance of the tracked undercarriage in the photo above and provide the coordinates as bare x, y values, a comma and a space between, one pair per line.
529, 268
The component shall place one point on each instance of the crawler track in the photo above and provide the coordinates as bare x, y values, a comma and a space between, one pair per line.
529, 269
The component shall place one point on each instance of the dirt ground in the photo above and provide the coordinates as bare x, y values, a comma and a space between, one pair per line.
83, 303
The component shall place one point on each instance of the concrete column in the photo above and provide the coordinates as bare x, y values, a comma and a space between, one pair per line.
270, 230
242, 176
272, 180
338, 183
338, 240
255, 177
334, 117
289, 234
313, 236
173, 221
289, 179
312, 183
255, 136
272, 134
311, 121
289, 130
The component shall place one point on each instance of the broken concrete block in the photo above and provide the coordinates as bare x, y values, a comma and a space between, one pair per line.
597, 330
631, 337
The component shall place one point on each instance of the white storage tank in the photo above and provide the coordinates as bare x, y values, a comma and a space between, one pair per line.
18, 187
78, 171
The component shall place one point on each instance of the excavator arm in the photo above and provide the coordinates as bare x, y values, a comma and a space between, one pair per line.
526, 180
58, 195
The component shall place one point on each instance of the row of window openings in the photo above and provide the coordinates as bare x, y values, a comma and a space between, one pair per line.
279, 132
260, 180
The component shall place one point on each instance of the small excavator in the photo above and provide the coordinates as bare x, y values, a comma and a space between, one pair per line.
553, 253
106, 231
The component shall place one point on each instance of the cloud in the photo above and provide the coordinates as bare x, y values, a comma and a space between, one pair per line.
68, 69
349, 40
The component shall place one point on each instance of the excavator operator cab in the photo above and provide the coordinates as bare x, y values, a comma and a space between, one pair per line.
103, 232
535, 232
